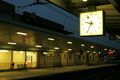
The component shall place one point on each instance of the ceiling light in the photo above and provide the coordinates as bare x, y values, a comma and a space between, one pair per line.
91, 46
21, 33
12, 43
82, 45
118, 36
105, 49
56, 48
113, 50
99, 52
51, 39
87, 51
38, 46
69, 42
69, 49
84, 0
45, 53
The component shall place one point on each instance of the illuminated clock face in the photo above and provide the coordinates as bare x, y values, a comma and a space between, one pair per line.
91, 23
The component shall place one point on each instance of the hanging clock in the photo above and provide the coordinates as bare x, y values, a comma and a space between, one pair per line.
91, 23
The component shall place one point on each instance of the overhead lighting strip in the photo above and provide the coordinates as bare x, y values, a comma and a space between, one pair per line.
12, 43
21, 33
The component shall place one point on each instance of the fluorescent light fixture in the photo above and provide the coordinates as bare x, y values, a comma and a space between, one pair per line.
84, 0
3, 50
99, 52
56, 48
38, 46
69, 42
12, 43
82, 45
87, 51
118, 36
94, 52
105, 49
91, 46
113, 50
21, 33
69, 49
51, 39
45, 53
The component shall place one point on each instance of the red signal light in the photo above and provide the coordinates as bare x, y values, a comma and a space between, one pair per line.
110, 52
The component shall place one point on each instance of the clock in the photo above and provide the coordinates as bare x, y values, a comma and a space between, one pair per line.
91, 23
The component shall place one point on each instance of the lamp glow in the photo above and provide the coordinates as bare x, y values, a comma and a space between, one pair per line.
69, 42
38, 46
69, 49
87, 51
56, 48
82, 45
45, 53
51, 39
91, 46
12, 43
84, 0
21, 33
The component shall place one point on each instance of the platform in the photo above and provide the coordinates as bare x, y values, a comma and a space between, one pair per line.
21, 74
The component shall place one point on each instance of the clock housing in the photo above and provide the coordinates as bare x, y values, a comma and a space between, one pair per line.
91, 23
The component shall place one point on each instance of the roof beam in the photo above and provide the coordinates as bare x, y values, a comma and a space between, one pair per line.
116, 4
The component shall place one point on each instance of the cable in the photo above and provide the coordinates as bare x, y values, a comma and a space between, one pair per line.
38, 2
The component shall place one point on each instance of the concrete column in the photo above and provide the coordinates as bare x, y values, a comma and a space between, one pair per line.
38, 59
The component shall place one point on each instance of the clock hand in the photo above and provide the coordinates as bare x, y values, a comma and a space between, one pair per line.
90, 23
88, 28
